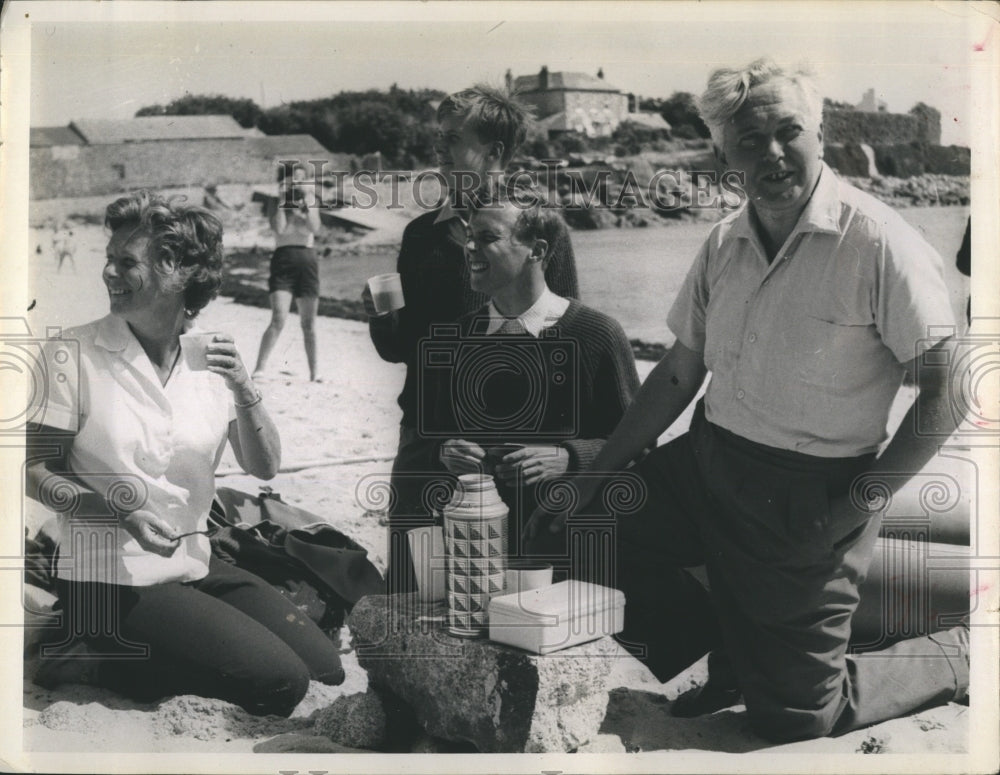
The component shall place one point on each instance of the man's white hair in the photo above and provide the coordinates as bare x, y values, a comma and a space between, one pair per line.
728, 89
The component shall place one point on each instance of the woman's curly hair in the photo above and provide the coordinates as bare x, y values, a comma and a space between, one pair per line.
187, 236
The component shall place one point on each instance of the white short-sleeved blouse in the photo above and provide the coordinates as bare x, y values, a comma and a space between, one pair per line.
138, 442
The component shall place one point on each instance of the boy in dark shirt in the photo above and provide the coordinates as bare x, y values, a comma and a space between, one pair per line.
479, 131
529, 369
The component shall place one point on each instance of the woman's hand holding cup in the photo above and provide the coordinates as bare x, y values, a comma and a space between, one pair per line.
222, 358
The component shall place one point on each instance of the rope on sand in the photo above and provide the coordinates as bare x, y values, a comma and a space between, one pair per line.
318, 463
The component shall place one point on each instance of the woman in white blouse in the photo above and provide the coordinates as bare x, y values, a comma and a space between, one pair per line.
126, 454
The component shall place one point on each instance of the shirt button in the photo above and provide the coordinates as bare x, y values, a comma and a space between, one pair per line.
740, 394
752, 337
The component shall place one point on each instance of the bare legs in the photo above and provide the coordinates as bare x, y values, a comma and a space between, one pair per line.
281, 302
307, 319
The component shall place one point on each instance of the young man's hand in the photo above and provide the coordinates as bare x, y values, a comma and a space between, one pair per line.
462, 457
533, 464
369, 302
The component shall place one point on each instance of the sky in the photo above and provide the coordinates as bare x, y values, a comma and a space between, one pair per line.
84, 69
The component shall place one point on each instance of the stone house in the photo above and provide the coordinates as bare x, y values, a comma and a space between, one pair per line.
93, 157
572, 102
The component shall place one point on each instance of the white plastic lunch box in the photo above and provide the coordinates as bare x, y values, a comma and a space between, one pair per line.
556, 617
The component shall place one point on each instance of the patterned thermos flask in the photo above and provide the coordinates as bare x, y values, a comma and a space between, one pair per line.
475, 529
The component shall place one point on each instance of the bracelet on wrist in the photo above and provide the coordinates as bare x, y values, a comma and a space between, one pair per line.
250, 403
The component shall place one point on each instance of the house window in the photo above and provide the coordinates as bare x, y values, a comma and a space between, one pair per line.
120, 169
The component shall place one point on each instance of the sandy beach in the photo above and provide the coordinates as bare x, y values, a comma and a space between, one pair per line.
334, 434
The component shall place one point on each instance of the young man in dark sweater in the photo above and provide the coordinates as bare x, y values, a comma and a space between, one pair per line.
529, 368
479, 131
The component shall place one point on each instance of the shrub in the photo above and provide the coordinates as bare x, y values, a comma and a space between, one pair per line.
848, 159
569, 142
684, 131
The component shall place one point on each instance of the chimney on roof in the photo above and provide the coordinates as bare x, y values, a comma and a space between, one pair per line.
543, 78
600, 73
508, 79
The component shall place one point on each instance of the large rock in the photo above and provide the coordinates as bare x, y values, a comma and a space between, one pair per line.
356, 720
500, 699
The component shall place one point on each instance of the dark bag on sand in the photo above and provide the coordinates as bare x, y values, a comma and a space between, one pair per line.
321, 570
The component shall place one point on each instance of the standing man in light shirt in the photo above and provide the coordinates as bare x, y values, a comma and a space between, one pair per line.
808, 306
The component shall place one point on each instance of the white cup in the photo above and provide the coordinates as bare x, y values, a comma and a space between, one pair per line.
193, 348
523, 575
429, 563
387, 292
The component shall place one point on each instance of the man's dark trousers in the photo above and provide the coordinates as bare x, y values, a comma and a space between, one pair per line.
784, 581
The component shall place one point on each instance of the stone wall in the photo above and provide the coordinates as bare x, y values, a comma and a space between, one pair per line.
95, 170
109, 169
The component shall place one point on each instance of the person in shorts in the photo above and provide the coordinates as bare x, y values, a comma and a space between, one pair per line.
294, 269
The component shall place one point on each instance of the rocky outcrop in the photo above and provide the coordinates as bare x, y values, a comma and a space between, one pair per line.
355, 720
918, 191
500, 699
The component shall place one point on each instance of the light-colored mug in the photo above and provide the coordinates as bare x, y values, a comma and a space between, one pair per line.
429, 562
193, 347
523, 575
387, 292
